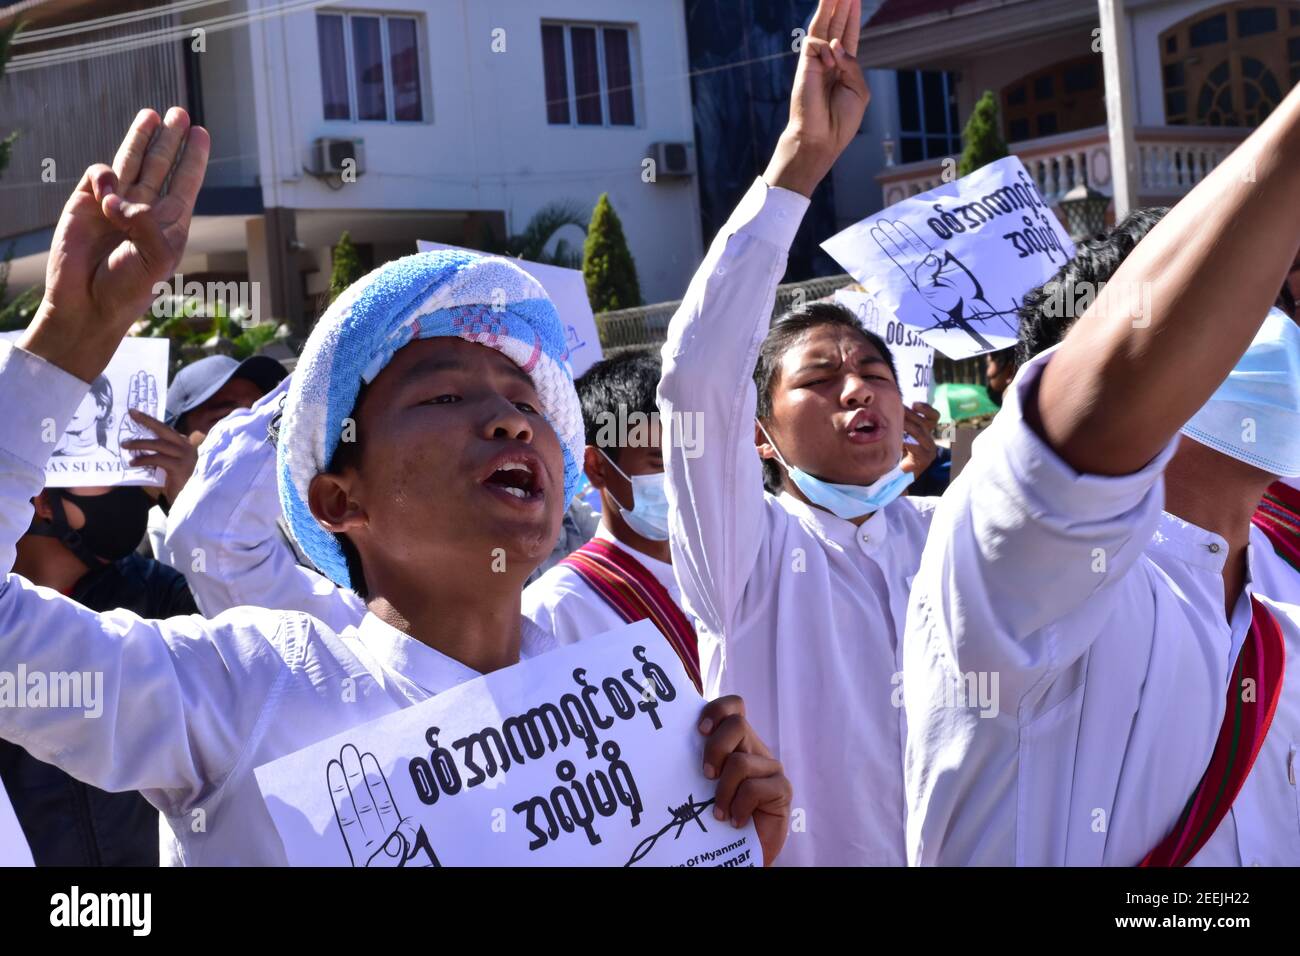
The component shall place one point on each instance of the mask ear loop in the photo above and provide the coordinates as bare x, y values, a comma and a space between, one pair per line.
65, 534
626, 477
777, 451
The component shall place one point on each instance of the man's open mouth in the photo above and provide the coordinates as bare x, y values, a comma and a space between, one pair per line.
519, 478
864, 427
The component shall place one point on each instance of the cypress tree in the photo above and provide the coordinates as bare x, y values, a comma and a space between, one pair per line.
983, 141
607, 262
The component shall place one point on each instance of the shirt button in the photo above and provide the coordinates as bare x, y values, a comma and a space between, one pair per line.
1214, 549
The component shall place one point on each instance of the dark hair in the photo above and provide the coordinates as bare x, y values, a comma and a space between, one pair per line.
626, 381
103, 392
1002, 358
1047, 312
784, 333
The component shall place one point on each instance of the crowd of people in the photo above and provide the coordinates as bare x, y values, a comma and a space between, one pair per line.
1074, 656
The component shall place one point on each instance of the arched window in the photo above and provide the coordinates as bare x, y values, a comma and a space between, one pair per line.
1062, 98
1230, 66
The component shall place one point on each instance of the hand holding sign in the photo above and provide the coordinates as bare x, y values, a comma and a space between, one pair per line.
751, 783
155, 444
142, 396
919, 423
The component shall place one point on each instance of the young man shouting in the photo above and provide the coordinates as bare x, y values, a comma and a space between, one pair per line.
431, 431
799, 599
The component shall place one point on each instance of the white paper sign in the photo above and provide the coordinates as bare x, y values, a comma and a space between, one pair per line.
14, 850
913, 358
89, 450
568, 291
958, 260
588, 755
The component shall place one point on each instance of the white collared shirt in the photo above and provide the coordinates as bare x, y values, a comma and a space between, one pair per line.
798, 611
190, 706
1101, 619
563, 603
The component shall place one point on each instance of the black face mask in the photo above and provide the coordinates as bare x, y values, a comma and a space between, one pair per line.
115, 523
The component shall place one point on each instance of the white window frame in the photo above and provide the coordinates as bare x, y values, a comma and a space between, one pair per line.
634, 68
390, 106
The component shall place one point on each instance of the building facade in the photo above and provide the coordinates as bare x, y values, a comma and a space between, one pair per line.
1201, 75
448, 120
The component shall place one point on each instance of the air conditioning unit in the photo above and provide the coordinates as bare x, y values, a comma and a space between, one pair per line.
673, 159
334, 157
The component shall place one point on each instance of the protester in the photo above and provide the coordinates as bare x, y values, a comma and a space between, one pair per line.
81, 543
1089, 679
799, 599
624, 573
429, 429
227, 534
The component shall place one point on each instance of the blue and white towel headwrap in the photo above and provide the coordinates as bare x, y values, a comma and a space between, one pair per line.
485, 300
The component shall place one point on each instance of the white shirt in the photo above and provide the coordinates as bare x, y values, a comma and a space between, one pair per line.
224, 535
190, 706
1101, 618
799, 611
563, 603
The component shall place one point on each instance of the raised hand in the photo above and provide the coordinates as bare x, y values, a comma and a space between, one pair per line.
122, 231
829, 98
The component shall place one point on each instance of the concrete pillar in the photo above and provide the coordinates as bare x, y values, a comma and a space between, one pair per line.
287, 302
1121, 105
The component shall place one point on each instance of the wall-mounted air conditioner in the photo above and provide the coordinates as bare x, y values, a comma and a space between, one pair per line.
673, 159
331, 156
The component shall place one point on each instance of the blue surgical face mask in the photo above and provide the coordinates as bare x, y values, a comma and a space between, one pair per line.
847, 501
1254, 416
649, 514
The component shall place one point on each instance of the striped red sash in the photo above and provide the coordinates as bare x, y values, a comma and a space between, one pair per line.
1278, 516
1245, 724
635, 594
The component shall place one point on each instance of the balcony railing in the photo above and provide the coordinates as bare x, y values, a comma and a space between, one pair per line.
1171, 160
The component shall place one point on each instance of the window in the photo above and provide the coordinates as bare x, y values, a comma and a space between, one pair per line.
1240, 60
588, 74
1061, 98
370, 67
927, 116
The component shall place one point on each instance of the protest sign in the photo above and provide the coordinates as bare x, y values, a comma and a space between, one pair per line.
588, 755
88, 452
568, 291
958, 260
913, 358
14, 850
